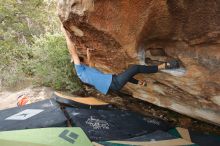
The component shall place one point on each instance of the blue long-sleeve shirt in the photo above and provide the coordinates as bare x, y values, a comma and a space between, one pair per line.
94, 77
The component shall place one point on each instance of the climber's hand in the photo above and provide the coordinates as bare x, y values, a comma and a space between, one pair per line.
90, 49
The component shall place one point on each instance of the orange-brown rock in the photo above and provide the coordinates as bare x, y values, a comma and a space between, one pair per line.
124, 32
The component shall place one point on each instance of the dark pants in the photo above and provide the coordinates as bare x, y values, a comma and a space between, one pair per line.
118, 81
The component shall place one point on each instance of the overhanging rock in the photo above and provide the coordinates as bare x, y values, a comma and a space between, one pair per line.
125, 32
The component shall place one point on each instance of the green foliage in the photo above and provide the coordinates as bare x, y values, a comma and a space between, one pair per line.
11, 57
50, 64
31, 46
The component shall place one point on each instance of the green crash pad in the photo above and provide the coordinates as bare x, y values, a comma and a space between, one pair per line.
45, 137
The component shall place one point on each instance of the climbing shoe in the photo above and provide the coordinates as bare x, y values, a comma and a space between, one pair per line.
172, 64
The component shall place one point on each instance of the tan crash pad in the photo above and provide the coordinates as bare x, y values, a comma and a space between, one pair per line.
83, 100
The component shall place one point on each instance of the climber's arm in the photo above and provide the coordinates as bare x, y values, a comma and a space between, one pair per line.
73, 52
71, 47
89, 56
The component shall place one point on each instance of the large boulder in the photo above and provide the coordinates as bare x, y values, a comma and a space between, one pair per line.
125, 32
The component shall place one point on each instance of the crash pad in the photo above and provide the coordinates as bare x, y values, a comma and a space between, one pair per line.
157, 138
81, 102
46, 113
101, 125
201, 139
45, 137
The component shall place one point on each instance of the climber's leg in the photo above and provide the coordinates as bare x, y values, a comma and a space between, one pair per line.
120, 80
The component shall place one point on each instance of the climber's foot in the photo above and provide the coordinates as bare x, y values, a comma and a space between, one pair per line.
173, 64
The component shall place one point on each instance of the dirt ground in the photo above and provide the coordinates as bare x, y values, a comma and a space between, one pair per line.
9, 97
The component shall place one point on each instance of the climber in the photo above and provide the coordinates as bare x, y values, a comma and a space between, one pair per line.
105, 82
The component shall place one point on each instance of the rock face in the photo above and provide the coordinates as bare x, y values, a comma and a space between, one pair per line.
124, 32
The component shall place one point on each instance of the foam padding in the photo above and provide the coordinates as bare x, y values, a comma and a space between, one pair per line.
46, 113
102, 125
156, 138
45, 137
196, 137
81, 102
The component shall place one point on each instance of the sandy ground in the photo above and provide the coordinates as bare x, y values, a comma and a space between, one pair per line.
9, 98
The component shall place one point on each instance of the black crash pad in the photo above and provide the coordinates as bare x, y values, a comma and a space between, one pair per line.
36, 115
202, 139
154, 136
154, 139
101, 125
